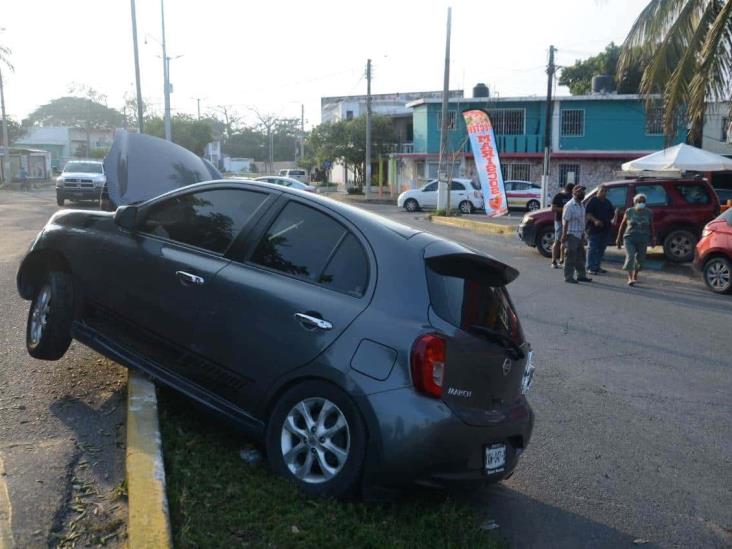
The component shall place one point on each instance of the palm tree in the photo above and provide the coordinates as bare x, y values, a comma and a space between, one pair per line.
685, 47
4, 60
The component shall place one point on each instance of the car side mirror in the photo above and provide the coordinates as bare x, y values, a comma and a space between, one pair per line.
126, 217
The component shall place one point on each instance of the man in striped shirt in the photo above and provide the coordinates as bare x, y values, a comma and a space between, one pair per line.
573, 236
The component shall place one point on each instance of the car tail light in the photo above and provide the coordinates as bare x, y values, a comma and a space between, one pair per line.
428, 364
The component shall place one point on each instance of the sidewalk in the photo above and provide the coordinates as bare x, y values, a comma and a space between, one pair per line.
505, 225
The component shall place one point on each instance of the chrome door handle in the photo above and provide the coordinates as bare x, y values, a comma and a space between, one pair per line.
188, 278
313, 321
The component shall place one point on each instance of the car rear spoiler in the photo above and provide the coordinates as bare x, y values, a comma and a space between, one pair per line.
451, 259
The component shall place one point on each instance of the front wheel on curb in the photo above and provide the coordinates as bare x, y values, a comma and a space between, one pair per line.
411, 205
48, 331
316, 439
718, 275
545, 241
533, 205
60, 199
466, 207
679, 246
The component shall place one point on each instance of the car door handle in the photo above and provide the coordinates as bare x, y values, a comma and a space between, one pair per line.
188, 279
313, 321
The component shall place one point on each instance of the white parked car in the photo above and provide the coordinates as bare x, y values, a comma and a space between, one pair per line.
465, 195
286, 182
295, 173
523, 194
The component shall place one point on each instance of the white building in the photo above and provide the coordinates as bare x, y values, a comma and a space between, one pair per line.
65, 143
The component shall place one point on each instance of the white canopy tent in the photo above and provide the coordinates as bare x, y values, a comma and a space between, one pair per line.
680, 158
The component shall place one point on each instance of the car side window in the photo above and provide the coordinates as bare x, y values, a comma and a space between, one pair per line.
311, 245
206, 219
693, 193
617, 196
655, 194
456, 186
432, 187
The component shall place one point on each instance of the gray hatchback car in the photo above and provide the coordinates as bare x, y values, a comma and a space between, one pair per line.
356, 349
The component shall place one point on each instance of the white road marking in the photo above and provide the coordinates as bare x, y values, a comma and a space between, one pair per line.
6, 534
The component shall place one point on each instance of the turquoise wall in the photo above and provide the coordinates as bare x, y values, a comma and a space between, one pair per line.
610, 125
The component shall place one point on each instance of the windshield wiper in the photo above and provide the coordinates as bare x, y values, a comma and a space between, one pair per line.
499, 337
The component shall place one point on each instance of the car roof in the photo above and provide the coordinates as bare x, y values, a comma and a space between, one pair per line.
651, 180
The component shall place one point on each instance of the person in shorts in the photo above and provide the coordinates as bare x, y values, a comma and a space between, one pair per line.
558, 202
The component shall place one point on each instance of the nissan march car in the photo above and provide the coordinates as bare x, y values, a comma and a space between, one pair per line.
465, 195
357, 350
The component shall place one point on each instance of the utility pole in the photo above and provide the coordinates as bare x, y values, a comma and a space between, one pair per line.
443, 193
6, 144
137, 67
302, 132
166, 77
550, 70
368, 128
198, 101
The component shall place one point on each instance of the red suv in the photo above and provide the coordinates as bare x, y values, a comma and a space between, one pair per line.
713, 255
681, 208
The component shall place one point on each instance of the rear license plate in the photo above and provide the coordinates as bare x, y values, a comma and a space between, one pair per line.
495, 458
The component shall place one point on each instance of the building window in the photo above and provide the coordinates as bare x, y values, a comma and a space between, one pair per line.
508, 121
451, 120
349, 115
654, 120
568, 173
518, 171
573, 122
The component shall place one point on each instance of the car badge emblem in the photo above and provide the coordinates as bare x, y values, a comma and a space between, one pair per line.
507, 366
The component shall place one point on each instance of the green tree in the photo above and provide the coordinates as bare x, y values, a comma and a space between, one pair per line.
688, 45
186, 131
578, 77
345, 141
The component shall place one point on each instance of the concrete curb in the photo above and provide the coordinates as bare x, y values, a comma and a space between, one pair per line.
148, 520
477, 226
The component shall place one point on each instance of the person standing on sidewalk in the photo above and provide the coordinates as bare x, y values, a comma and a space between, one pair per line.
574, 221
600, 214
636, 231
558, 202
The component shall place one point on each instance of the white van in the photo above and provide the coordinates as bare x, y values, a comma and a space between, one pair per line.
296, 173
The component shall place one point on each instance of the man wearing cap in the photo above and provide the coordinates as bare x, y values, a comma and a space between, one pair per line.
574, 220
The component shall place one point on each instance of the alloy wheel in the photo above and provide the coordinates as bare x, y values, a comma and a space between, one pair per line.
547, 241
466, 207
533, 205
411, 205
680, 246
718, 276
39, 317
315, 440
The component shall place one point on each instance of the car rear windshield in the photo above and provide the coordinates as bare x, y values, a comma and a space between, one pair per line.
83, 167
471, 302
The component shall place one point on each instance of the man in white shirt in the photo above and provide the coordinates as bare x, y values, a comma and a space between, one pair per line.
574, 220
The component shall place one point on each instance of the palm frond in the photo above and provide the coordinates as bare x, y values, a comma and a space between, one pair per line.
5, 54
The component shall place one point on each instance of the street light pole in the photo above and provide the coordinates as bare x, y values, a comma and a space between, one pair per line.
166, 77
137, 67
6, 144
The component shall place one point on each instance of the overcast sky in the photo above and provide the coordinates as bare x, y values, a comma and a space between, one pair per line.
275, 55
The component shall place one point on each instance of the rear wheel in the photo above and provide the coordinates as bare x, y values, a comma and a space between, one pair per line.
411, 205
466, 207
545, 241
533, 205
718, 275
316, 439
48, 331
679, 245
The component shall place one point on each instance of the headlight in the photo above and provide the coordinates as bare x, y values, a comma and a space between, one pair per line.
706, 232
527, 219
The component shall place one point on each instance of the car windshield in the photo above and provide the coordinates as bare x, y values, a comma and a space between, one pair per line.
83, 167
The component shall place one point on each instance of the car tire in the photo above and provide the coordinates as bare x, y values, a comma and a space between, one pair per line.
679, 246
60, 199
325, 465
466, 207
411, 205
48, 330
532, 205
545, 241
717, 273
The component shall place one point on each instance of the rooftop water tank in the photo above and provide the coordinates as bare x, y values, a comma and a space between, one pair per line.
602, 84
481, 90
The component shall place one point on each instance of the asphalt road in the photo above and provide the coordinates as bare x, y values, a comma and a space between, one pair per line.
633, 435
62, 431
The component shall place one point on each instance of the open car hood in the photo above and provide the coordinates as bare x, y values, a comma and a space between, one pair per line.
139, 167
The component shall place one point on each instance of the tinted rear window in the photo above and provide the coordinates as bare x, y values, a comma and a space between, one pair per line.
693, 193
465, 302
